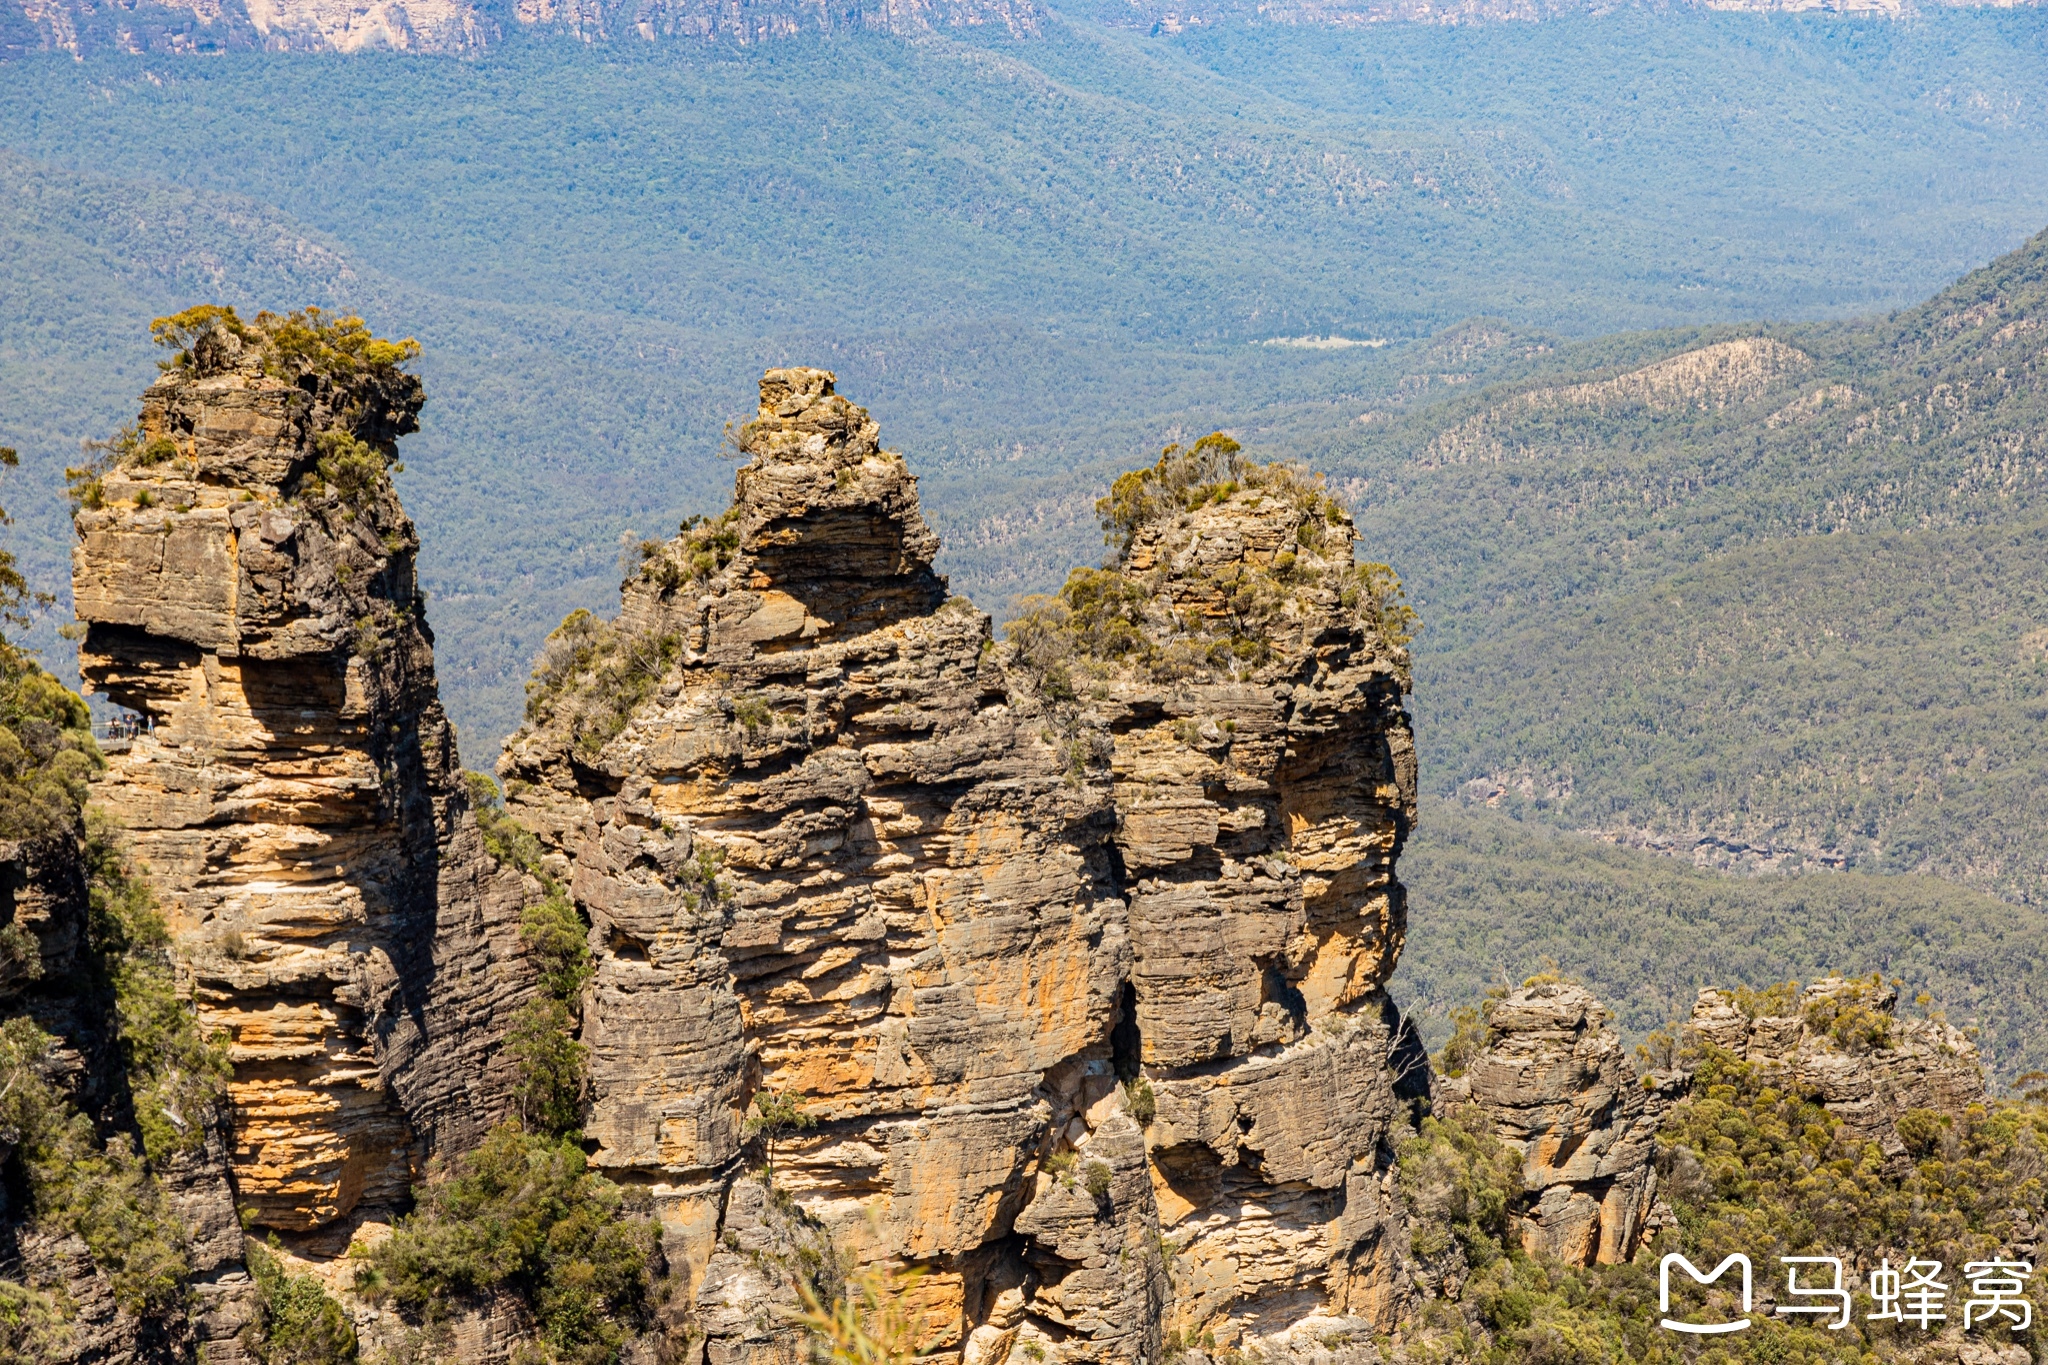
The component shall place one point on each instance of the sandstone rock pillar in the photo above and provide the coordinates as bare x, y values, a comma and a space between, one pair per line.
245, 575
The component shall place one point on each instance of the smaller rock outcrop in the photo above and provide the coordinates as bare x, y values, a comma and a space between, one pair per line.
1560, 1088
1843, 1041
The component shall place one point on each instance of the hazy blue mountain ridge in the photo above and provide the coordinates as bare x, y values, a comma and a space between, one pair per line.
1807, 617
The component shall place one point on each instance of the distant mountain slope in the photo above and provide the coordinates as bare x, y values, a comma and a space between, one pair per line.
1780, 593
461, 27
1174, 16
1492, 898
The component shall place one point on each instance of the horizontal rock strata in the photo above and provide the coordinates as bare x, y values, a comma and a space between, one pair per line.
1559, 1087
1067, 980
246, 577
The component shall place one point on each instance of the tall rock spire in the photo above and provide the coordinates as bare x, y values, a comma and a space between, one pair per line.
246, 577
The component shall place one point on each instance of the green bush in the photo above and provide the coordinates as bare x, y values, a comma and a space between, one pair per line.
1179, 481
102, 1192
591, 676
1460, 1184
776, 1112
752, 713
569, 651
301, 1324
522, 1214
1850, 1019
1469, 1036
308, 341
353, 470
550, 1088
47, 751
32, 1327
1106, 620
504, 838
558, 940
1139, 1100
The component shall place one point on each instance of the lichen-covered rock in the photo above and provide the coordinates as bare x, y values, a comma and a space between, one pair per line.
837, 843
245, 574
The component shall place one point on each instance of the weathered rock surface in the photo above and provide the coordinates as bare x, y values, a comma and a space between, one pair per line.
295, 797
1560, 1088
1846, 1044
835, 842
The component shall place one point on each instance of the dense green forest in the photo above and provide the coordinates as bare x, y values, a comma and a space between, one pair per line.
1493, 898
1794, 603
1033, 260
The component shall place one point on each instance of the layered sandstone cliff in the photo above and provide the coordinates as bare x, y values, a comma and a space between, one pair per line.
1081, 988
1070, 950
245, 574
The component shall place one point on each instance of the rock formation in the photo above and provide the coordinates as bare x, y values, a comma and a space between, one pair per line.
1842, 1040
245, 574
1075, 961
1559, 1087
1053, 969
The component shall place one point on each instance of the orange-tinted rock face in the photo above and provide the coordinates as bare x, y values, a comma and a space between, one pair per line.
295, 796
835, 841
1072, 964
